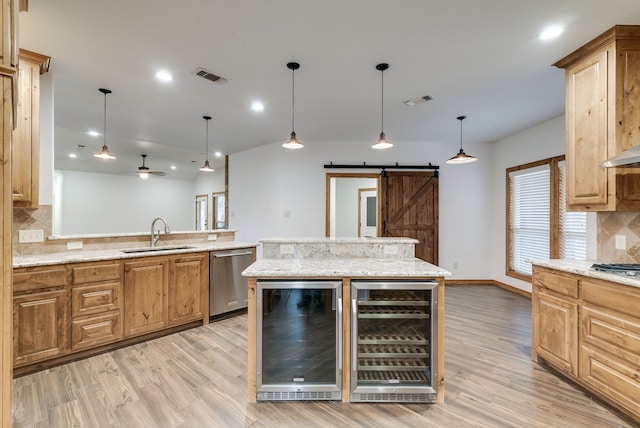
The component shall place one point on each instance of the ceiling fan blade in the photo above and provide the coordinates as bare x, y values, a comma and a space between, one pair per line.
158, 173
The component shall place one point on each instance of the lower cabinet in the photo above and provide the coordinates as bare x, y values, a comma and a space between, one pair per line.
188, 286
146, 285
63, 309
40, 322
594, 338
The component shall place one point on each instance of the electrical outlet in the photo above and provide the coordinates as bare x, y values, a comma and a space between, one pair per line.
213, 237
286, 249
74, 245
32, 235
391, 249
621, 242
286, 213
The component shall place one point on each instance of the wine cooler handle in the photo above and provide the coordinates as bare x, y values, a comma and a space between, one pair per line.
354, 333
340, 335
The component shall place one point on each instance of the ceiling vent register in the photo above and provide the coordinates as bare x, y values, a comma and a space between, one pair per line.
206, 74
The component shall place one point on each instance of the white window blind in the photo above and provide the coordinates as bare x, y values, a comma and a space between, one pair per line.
530, 217
573, 225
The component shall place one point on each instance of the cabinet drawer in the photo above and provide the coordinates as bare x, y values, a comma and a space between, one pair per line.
611, 378
91, 299
619, 298
95, 330
544, 280
617, 334
93, 273
40, 278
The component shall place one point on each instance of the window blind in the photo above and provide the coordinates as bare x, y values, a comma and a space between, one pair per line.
573, 225
530, 217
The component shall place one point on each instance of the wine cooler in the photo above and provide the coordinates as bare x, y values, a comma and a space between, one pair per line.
393, 341
299, 340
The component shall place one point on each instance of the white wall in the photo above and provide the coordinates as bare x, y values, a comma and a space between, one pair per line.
108, 203
269, 180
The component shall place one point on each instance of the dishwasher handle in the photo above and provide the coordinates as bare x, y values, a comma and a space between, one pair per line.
246, 253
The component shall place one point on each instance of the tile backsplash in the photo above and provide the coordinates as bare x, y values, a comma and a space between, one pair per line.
626, 224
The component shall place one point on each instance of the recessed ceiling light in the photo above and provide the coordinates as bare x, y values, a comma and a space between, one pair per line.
164, 76
173, 167
551, 32
257, 106
218, 154
93, 133
72, 155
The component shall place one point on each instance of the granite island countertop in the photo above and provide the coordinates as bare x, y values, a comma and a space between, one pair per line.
583, 267
78, 256
344, 267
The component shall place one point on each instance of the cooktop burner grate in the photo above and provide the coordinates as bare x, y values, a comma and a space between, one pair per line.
631, 269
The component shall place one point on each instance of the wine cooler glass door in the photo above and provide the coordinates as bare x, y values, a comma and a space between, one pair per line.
299, 340
393, 341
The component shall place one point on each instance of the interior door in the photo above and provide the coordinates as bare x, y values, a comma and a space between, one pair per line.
409, 208
367, 212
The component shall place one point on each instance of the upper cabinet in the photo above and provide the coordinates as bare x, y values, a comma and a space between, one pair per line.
602, 119
26, 135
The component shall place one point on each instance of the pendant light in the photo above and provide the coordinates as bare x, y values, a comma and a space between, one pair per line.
293, 142
206, 167
104, 152
461, 157
382, 142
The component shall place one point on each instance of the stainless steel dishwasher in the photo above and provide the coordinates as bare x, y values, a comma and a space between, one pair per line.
227, 286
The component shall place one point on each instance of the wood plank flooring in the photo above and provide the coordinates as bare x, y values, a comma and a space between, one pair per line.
197, 378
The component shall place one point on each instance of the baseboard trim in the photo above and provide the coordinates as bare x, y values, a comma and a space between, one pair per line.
489, 282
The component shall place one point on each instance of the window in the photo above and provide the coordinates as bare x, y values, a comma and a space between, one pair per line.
538, 225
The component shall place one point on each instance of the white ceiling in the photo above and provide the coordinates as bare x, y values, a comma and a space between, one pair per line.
482, 59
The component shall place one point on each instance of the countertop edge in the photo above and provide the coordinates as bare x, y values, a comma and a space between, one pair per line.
583, 267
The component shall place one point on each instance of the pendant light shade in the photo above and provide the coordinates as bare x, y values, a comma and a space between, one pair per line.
461, 157
382, 142
206, 167
293, 142
104, 152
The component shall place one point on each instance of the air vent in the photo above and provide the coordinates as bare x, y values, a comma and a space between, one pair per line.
205, 74
415, 101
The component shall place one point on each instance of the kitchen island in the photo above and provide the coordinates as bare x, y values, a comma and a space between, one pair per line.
355, 285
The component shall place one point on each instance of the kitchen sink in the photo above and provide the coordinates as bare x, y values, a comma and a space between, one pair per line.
156, 249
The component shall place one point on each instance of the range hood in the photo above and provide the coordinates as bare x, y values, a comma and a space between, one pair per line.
629, 159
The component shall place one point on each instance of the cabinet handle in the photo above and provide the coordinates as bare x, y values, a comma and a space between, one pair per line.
354, 332
339, 356
248, 253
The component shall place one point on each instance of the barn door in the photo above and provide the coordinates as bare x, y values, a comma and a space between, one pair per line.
409, 208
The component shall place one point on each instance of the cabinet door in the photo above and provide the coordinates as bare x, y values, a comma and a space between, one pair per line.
555, 324
145, 301
188, 282
587, 134
41, 327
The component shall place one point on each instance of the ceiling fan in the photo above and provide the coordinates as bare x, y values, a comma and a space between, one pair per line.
144, 171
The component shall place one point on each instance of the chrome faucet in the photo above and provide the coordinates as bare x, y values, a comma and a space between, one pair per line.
155, 236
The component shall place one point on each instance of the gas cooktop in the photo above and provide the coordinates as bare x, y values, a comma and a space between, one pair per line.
631, 269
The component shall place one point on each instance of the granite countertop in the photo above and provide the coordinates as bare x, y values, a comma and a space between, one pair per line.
583, 267
344, 267
113, 254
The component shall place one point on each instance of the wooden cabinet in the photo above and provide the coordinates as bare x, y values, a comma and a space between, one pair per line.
555, 328
188, 288
40, 314
62, 310
602, 118
26, 135
605, 339
145, 295
96, 299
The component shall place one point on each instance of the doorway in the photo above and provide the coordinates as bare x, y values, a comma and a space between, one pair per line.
343, 203
368, 212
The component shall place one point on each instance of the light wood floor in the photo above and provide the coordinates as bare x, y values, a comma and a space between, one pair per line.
197, 378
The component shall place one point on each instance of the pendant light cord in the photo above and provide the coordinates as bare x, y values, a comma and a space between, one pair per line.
461, 134
293, 95
382, 104
207, 141
105, 119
